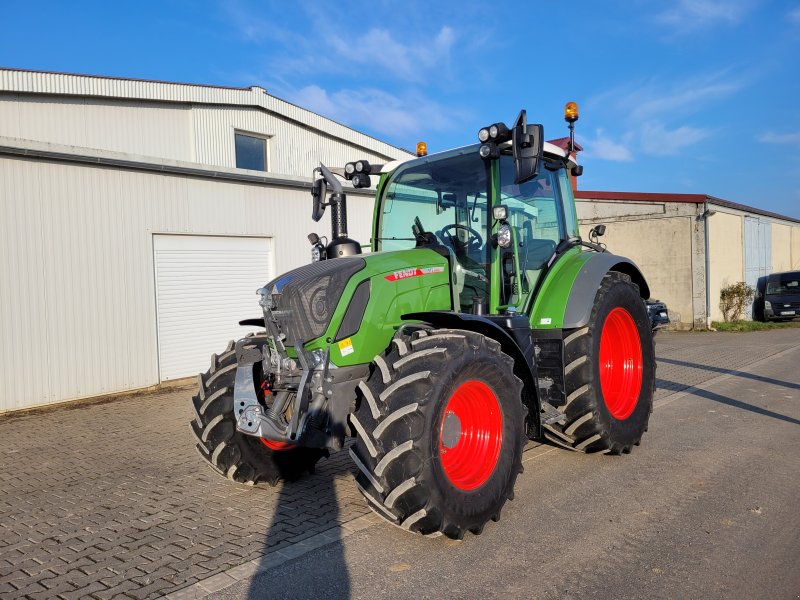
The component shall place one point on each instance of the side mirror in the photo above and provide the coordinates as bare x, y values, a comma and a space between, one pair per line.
598, 231
319, 191
527, 146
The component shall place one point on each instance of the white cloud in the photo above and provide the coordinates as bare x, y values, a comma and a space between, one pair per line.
648, 100
771, 137
378, 110
688, 98
654, 117
657, 140
605, 148
408, 61
690, 15
359, 60
794, 16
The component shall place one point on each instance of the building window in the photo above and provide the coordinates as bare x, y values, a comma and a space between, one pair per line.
251, 152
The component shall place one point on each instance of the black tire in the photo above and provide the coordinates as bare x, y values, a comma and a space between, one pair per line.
403, 435
594, 422
239, 457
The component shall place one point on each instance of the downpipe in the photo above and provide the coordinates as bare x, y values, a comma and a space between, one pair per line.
707, 266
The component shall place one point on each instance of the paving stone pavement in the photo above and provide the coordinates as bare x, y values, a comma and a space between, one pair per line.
111, 500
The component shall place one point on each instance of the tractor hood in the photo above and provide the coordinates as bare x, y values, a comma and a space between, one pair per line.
303, 300
353, 304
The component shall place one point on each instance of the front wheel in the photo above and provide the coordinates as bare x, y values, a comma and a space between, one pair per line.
440, 430
609, 374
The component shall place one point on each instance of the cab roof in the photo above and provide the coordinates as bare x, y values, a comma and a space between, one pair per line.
549, 149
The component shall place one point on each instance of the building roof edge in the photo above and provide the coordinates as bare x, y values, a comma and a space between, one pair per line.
681, 198
29, 81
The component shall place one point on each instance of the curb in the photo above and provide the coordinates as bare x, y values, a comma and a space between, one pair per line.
220, 581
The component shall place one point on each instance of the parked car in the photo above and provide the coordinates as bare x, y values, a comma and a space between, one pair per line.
658, 313
781, 297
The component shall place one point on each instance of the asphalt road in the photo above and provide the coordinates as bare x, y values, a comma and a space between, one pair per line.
707, 507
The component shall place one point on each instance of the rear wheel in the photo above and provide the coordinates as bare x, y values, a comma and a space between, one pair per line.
239, 457
440, 430
609, 374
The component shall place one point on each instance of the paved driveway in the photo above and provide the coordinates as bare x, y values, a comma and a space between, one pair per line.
111, 500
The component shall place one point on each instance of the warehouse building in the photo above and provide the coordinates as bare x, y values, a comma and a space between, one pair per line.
690, 246
139, 218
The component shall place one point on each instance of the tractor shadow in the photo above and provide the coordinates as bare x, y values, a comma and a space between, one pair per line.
306, 511
709, 395
723, 371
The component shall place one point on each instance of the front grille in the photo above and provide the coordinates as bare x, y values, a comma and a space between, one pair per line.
304, 299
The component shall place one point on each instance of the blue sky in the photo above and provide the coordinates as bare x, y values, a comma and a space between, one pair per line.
688, 96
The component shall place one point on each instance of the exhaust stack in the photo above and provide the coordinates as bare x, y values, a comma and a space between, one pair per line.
340, 245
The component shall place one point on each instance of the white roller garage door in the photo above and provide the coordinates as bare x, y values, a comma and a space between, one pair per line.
205, 285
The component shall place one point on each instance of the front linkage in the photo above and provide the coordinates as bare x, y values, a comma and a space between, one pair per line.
300, 401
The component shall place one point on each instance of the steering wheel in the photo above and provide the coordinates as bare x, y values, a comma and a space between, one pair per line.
473, 243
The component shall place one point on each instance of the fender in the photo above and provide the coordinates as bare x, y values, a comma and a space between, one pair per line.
584, 288
524, 365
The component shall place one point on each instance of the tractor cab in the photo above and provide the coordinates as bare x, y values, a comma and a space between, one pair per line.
498, 234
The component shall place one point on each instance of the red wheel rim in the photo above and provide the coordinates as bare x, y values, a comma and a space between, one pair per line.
470, 435
279, 446
620, 363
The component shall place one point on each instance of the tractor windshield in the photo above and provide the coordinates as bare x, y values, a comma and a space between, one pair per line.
444, 196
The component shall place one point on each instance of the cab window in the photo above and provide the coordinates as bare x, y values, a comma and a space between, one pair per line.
537, 221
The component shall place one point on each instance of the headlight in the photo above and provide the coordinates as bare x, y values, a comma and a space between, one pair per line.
316, 255
500, 212
361, 180
265, 298
504, 236
767, 304
317, 358
489, 151
483, 134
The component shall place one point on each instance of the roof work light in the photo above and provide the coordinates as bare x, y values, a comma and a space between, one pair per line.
422, 149
497, 133
571, 112
570, 116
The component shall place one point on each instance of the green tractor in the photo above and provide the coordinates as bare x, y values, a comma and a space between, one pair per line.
480, 319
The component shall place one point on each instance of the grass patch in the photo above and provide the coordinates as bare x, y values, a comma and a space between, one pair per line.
753, 325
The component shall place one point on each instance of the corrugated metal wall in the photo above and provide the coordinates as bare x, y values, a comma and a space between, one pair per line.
77, 300
144, 128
